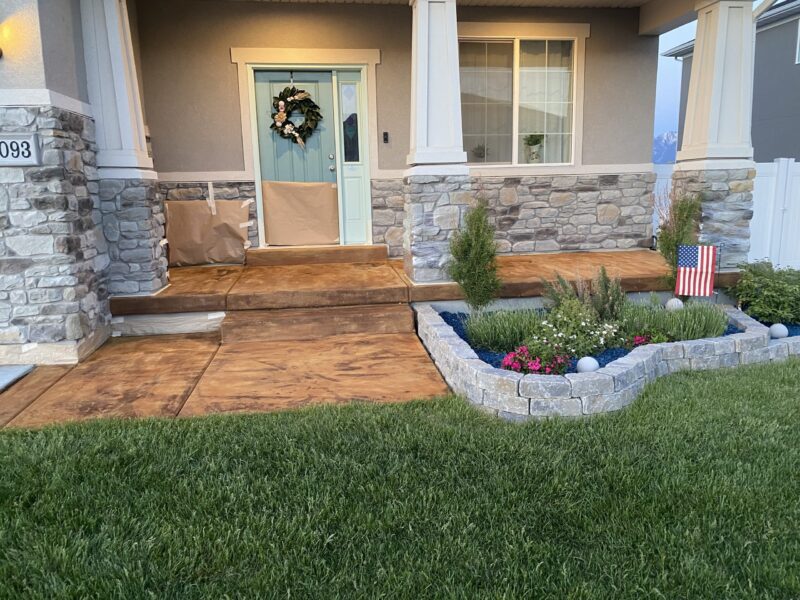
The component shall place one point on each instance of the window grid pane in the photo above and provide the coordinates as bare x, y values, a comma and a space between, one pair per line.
545, 115
545, 119
486, 71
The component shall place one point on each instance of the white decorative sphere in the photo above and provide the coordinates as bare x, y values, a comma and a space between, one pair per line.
778, 331
587, 365
674, 304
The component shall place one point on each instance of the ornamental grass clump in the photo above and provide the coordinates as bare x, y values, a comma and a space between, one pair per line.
694, 321
501, 330
768, 294
474, 263
604, 294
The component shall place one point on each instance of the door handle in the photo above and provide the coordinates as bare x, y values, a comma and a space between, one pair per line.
332, 168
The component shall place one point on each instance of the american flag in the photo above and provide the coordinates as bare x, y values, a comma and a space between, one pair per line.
696, 265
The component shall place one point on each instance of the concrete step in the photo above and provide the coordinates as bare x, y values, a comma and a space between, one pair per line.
310, 286
316, 255
315, 323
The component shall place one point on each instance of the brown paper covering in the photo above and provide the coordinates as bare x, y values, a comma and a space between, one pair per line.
300, 214
197, 237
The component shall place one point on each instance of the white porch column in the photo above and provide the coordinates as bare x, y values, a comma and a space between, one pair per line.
130, 204
435, 85
716, 158
437, 184
114, 91
720, 100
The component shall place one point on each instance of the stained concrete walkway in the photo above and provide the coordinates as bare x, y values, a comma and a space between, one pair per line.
170, 376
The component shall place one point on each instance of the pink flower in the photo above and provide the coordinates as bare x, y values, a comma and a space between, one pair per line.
640, 340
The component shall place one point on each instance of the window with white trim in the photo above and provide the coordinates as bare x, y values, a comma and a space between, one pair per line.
517, 100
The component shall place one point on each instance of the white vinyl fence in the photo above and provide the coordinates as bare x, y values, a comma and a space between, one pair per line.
775, 228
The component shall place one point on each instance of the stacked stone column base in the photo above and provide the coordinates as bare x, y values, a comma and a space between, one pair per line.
133, 224
727, 209
53, 255
435, 206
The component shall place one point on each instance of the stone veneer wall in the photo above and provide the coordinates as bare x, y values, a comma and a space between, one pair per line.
570, 212
52, 251
388, 214
133, 223
223, 191
387, 206
515, 396
531, 214
727, 205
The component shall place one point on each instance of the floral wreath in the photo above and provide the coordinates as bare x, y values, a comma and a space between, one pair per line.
285, 103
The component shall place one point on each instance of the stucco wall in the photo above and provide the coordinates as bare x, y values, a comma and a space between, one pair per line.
190, 85
776, 94
21, 66
62, 47
620, 80
42, 46
192, 97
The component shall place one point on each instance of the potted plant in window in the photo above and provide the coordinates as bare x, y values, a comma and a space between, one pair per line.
533, 143
480, 151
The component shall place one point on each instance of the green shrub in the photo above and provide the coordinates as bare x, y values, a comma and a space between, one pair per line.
694, 321
572, 329
502, 330
767, 294
604, 295
558, 291
474, 263
679, 219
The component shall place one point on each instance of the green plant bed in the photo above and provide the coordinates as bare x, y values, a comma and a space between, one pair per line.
768, 294
573, 329
690, 493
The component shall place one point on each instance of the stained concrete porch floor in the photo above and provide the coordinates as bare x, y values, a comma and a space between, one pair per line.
221, 288
191, 375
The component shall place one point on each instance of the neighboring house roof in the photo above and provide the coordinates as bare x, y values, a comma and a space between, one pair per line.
780, 11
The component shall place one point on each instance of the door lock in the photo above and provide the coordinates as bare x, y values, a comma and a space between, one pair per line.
331, 156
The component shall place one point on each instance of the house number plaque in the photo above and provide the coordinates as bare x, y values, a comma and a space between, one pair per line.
20, 150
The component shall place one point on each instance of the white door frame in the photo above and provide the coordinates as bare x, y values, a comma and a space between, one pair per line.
250, 60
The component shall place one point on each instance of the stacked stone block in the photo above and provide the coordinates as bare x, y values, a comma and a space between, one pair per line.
52, 251
515, 396
530, 214
133, 224
434, 210
388, 214
570, 212
727, 209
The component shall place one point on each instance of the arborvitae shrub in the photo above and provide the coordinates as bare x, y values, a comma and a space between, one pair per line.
474, 262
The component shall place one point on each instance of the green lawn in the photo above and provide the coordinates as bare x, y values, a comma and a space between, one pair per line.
693, 492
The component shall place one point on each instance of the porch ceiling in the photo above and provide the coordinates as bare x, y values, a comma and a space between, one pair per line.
539, 3
656, 16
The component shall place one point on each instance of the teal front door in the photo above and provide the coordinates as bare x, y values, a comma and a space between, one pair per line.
337, 151
282, 159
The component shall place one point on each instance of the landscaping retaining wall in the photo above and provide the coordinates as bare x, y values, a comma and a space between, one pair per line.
515, 396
